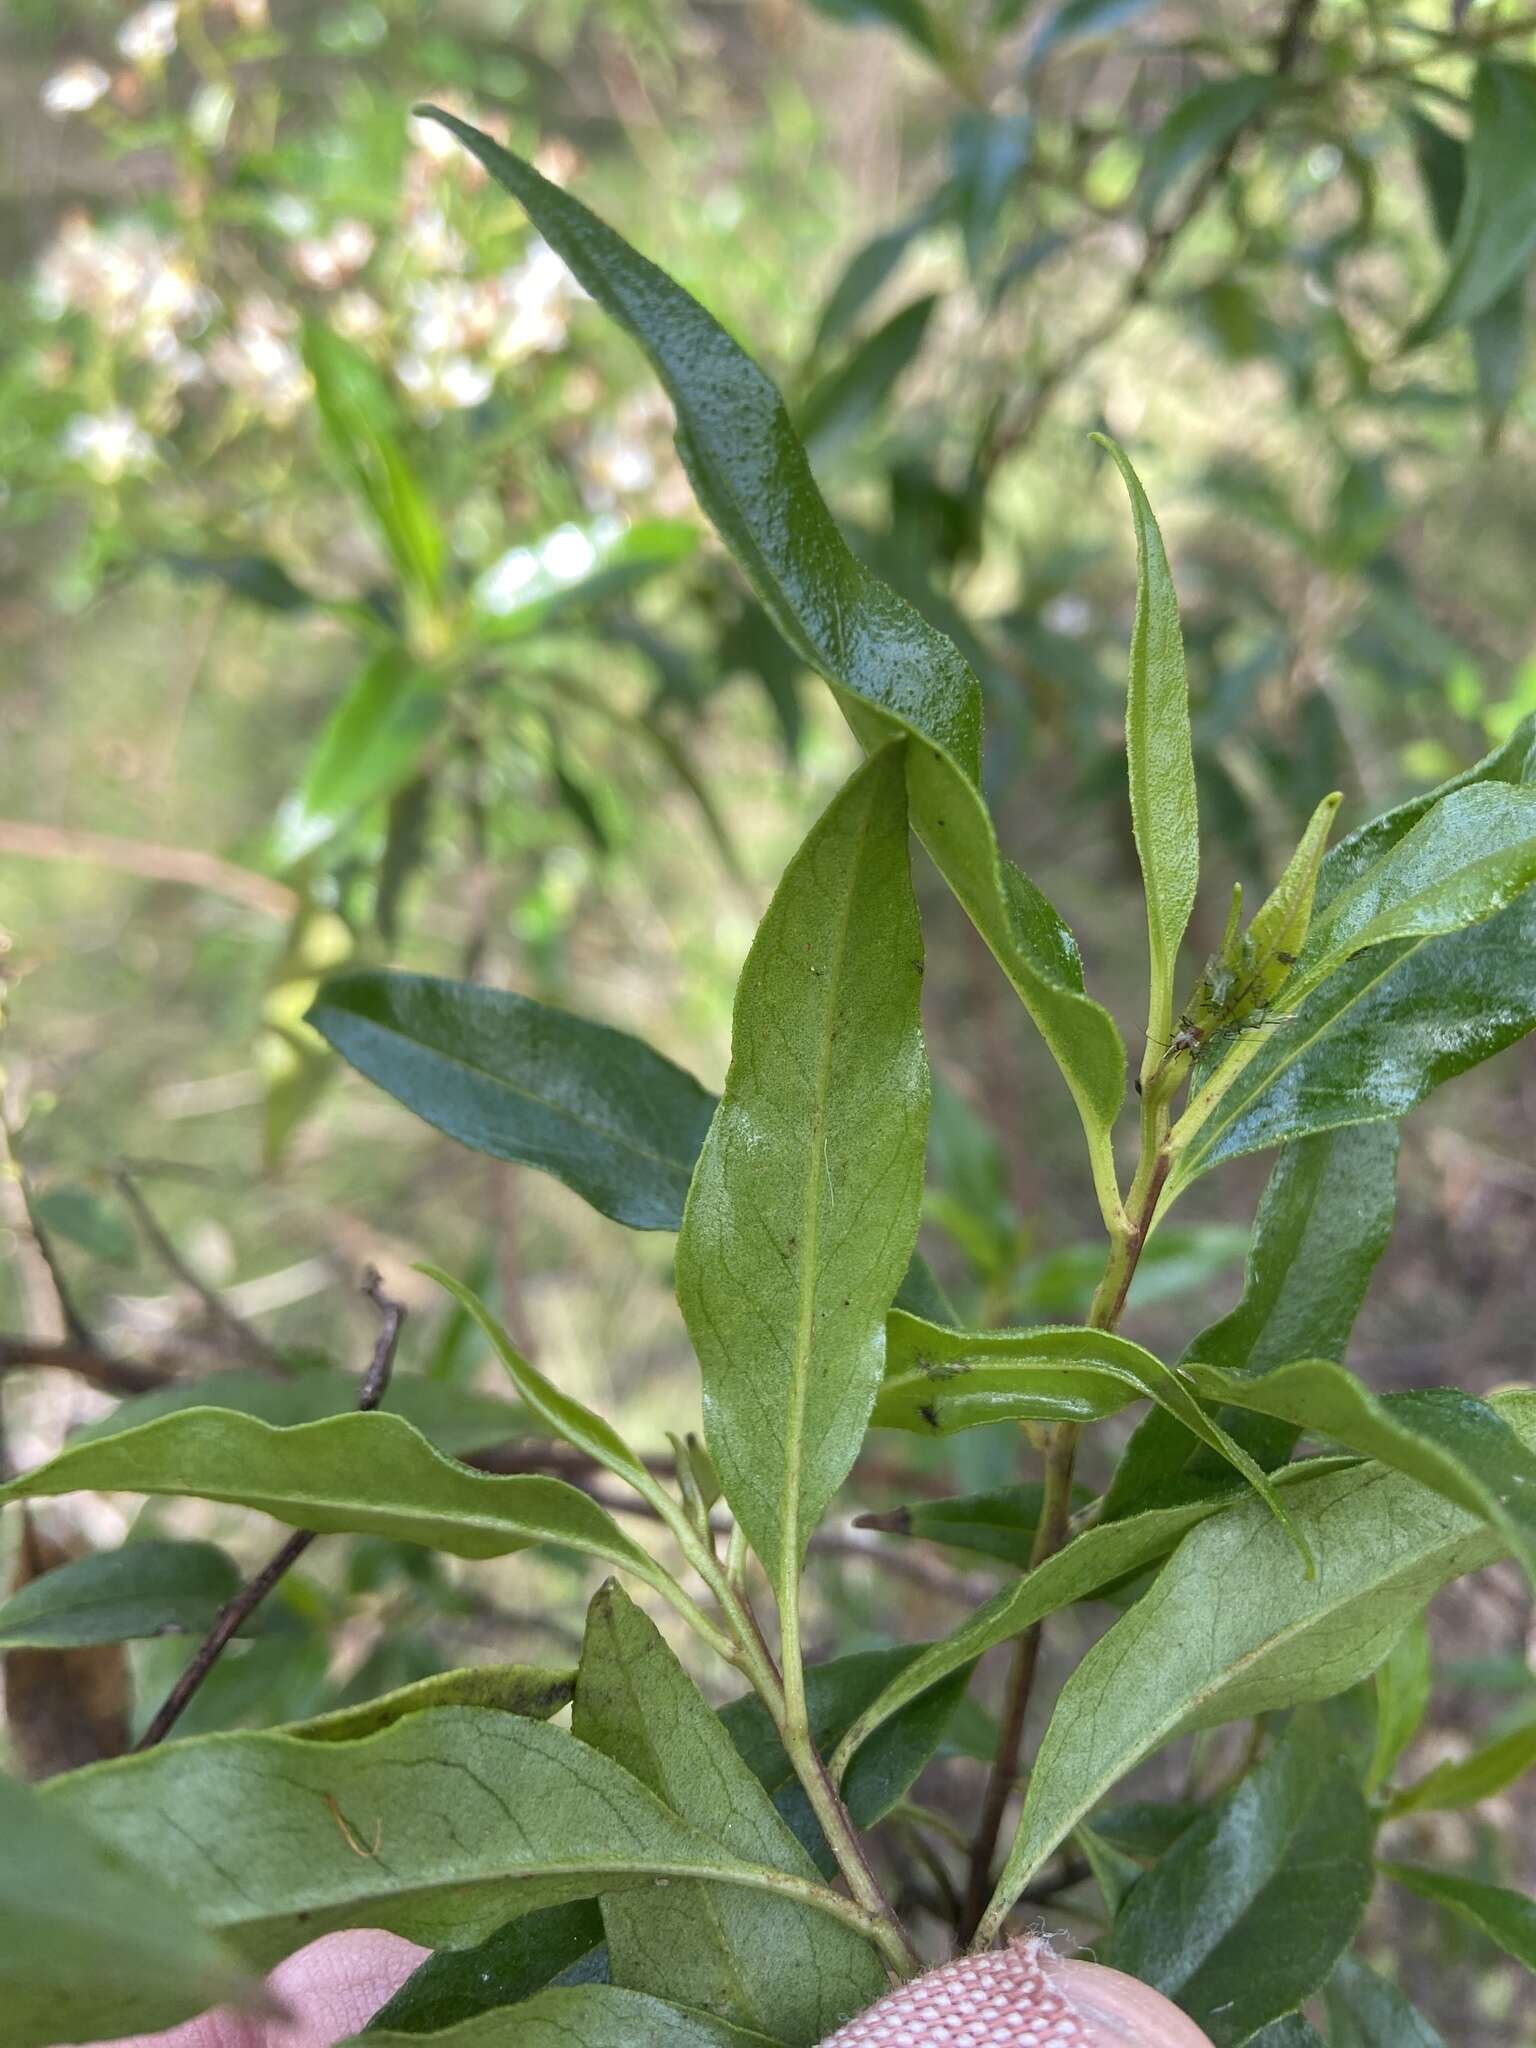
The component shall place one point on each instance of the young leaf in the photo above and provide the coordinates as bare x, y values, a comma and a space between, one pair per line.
1164, 813
764, 1963
1365, 2011
372, 743
508, 1966
1402, 1694
580, 2016
1496, 226
92, 1941
1506, 1917
349, 1473
527, 1689
508, 1076
157, 1588
942, 1380
1323, 1222
1246, 1916
1231, 1628
892, 672
1447, 1440
439, 1829
1481, 1775
804, 1206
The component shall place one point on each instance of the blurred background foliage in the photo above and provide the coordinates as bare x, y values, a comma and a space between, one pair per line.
355, 609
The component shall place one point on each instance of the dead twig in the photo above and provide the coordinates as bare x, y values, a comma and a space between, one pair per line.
245, 1339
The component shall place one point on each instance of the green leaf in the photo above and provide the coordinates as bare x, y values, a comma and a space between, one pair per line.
456, 1419
372, 744
439, 1829
527, 587
1323, 1222
986, 154
595, 1107
361, 419
1113, 1871
1481, 1775
1231, 1628
1291, 2032
349, 1473
1248, 1913
910, 17
1194, 131
580, 2016
1449, 1441
847, 398
75, 1213
560, 1414
256, 578
997, 1524
92, 1942
1506, 1917
804, 1206
760, 1962
1365, 2011
155, 1588
1495, 232
867, 270
940, 1380
1402, 1694
1164, 813
527, 1689
1074, 21
892, 672
505, 1968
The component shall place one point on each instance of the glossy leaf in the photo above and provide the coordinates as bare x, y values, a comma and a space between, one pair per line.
456, 1419
1402, 1695
527, 1689
1449, 1441
1203, 123
439, 1829
372, 743
454, 1985
1246, 1916
1365, 2011
893, 673
1322, 1224
156, 1588
1164, 813
1231, 1627
580, 2016
848, 397
940, 1380
803, 1210
595, 1107
1495, 234
1483, 1774
349, 1473
763, 1963
527, 587
92, 1941
1506, 1917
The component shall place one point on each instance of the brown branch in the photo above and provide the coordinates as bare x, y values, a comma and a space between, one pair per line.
97, 1368
245, 1338
238, 1611
151, 862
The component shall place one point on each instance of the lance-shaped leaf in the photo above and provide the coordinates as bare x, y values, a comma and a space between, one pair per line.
1246, 1916
92, 1941
999, 1523
1365, 2011
1481, 1775
1202, 123
1258, 1899
1278, 933
1323, 1222
892, 672
528, 586
368, 1474
1445, 1439
532, 1690
457, 1984
804, 1206
1230, 1628
1506, 1917
1164, 811
593, 1106
157, 1588
372, 743
440, 1829
760, 1962
580, 2016
1496, 226
940, 1380
1402, 1695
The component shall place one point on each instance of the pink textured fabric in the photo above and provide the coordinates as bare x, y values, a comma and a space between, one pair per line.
1021, 1997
